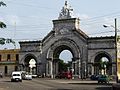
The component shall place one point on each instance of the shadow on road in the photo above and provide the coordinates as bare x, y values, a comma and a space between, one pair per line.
6, 81
107, 84
61, 89
104, 88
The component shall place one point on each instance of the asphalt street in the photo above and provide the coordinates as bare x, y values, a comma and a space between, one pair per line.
52, 84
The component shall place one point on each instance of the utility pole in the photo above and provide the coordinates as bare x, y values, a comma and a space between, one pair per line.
15, 36
116, 53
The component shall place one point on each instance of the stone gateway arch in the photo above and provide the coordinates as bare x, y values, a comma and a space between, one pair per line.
91, 55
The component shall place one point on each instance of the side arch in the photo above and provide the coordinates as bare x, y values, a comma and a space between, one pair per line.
25, 65
98, 63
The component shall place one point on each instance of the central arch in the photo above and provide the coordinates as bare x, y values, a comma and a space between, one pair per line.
56, 58
54, 53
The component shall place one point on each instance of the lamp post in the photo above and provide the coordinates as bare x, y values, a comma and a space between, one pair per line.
115, 27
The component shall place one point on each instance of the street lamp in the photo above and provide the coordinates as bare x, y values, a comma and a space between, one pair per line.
115, 27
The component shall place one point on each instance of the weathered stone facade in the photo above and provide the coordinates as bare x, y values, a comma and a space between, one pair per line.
67, 35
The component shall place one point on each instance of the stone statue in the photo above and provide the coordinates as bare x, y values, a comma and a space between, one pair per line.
65, 12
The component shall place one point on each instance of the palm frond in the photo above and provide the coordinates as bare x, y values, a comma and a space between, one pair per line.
2, 25
2, 41
10, 41
2, 4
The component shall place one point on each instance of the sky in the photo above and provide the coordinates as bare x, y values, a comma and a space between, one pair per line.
32, 19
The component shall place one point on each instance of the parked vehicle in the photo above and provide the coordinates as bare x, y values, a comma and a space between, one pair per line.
16, 76
67, 75
26, 75
103, 79
34, 76
94, 77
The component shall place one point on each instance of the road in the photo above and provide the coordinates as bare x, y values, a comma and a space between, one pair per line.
52, 84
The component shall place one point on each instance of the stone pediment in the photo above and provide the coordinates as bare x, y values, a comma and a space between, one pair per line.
65, 28
66, 33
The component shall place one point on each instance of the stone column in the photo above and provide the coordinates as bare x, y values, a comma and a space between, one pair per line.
113, 69
38, 69
76, 67
50, 67
79, 68
47, 68
75, 63
90, 69
56, 66
73, 67
73, 70
53, 68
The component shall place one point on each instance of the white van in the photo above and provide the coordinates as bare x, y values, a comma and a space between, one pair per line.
16, 76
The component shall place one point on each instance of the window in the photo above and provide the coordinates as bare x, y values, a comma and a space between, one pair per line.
0, 58
17, 57
8, 57
16, 74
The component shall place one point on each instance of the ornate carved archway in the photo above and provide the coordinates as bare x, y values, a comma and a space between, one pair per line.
55, 50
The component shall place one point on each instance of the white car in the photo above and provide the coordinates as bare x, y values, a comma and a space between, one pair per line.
34, 76
28, 77
16, 76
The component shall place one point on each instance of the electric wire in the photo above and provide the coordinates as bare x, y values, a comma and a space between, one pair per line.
91, 21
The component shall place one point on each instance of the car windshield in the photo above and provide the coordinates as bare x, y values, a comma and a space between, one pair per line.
16, 74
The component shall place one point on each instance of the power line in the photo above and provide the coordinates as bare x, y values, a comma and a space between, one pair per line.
100, 32
27, 17
98, 21
48, 8
29, 5
102, 16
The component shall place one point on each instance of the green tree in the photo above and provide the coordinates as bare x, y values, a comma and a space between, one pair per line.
3, 25
62, 66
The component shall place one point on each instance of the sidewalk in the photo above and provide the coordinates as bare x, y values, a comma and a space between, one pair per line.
82, 82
